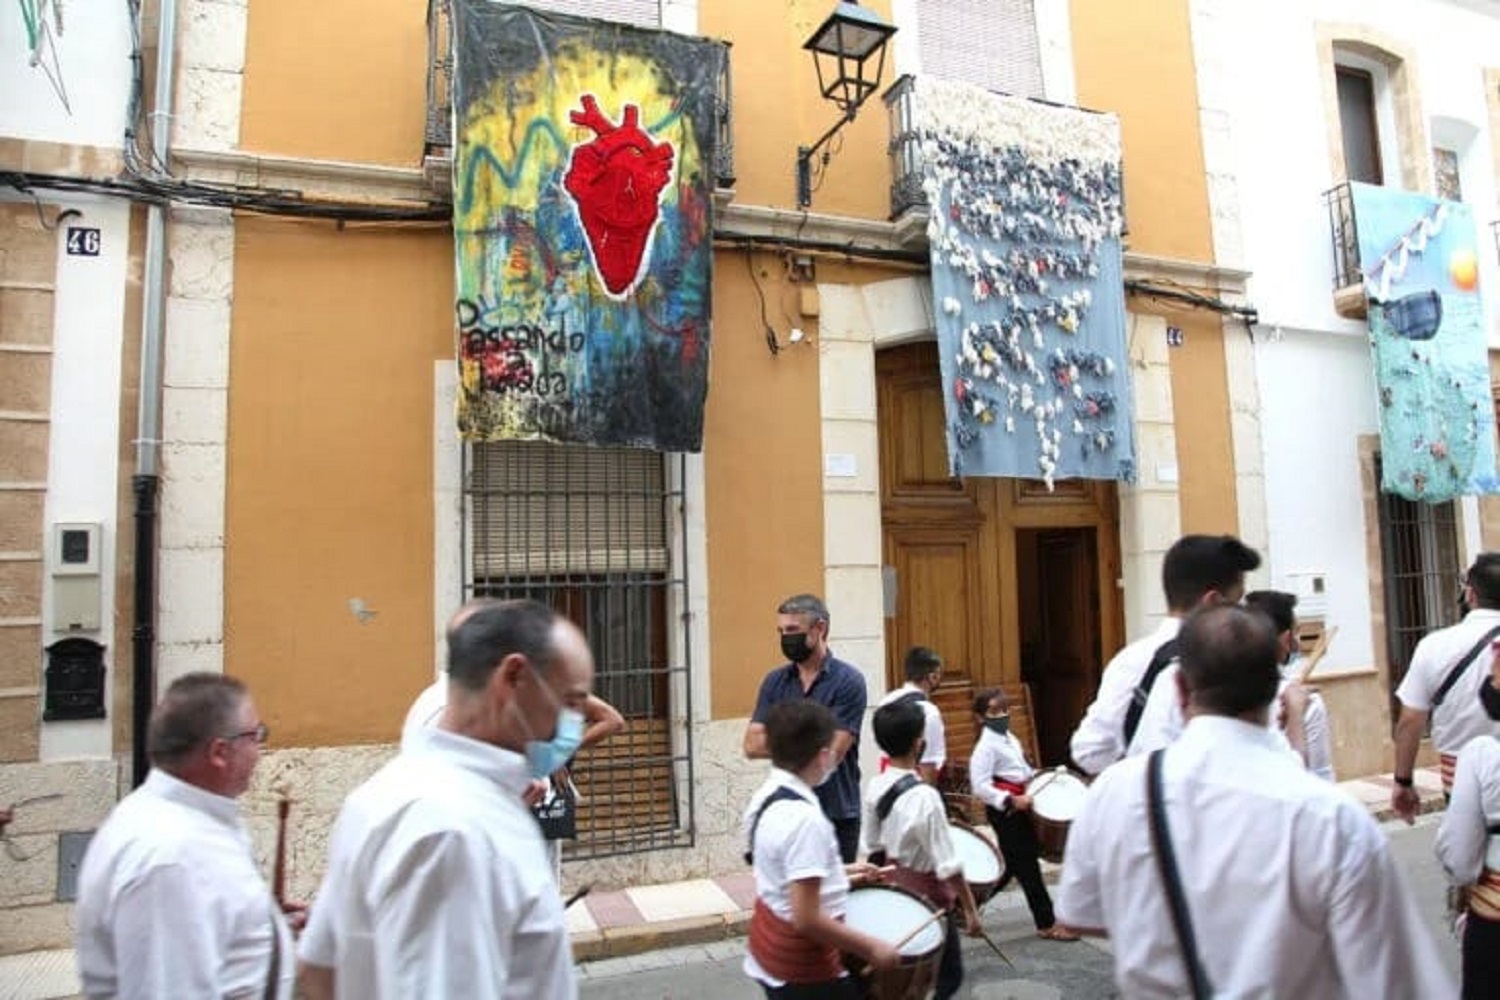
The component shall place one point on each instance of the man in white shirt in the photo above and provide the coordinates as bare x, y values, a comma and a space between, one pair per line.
1288, 885
924, 672
1197, 569
1463, 653
1468, 847
438, 883
1317, 742
170, 902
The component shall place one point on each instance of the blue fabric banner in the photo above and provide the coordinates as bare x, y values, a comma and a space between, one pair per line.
1419, 261
1026, 274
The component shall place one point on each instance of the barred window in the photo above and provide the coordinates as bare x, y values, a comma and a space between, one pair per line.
589, 531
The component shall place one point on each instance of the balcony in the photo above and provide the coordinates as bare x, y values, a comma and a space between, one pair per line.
1343, 230
909, 209
437, 150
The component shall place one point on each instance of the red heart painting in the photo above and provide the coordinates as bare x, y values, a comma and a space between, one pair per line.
616, 180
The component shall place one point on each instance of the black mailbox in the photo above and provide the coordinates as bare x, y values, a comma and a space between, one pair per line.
75, 680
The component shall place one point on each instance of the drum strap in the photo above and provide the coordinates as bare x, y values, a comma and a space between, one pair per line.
888, 801
782, 794
1462, 665
1164, 655
1166, 862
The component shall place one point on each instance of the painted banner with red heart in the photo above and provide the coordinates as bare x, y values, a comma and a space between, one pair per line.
583, 177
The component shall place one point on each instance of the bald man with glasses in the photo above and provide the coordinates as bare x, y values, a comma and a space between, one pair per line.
170, 901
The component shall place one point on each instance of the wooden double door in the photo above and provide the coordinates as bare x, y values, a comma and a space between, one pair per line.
1014, 586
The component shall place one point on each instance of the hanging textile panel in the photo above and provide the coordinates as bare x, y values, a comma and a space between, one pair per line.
582, 195
1420, 265
1027, 281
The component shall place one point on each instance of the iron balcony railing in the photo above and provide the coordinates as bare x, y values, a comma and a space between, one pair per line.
905, 151
1343, 230
438, 140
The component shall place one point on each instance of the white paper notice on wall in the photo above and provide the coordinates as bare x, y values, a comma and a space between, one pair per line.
840, 466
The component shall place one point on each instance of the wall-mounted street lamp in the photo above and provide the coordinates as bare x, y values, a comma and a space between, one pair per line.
849, 52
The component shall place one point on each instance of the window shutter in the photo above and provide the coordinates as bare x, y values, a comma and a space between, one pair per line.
642, 13
544, 509
989, 43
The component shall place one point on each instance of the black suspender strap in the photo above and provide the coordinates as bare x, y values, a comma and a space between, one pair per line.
908, 696
782, 794
1462, 665
273, 975
1166, 862
888, 801
1494, 829
1164, 655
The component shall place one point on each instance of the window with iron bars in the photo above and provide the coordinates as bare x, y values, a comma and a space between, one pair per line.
1422, 574
590, 531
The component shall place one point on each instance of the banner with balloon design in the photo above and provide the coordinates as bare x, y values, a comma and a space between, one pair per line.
1419, 262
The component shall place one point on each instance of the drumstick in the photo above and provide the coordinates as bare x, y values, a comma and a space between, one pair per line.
1319, 650
1043, 782
990, 941
278, 870
578, 895
870, 969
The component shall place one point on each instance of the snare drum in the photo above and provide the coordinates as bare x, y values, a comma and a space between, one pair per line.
891, 914
1054, 805
981, 861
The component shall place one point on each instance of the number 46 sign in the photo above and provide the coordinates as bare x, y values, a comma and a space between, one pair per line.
83, 241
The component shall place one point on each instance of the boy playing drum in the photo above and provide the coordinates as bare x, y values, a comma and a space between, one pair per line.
801, 884
905, 823
998, 775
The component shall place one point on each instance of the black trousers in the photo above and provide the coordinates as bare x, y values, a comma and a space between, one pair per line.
1019, 848
1481, 958
847, 831
950, 975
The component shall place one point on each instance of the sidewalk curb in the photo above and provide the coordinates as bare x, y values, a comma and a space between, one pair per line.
621, 942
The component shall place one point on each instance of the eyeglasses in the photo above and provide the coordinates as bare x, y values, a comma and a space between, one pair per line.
260, 734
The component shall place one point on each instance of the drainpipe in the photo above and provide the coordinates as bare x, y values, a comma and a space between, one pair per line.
148, 427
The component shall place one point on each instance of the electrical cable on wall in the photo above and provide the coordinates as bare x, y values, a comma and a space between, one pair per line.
1182, 295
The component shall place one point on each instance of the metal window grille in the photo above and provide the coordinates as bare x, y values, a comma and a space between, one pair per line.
1344, 231
590, 532
1419, 553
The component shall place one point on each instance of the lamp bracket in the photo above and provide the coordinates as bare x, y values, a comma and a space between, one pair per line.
805, 156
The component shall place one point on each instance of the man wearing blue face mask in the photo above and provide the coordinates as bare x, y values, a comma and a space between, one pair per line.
812, 672
438, 883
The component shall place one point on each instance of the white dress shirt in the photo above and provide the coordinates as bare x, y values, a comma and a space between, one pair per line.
935, 750
426, 710
997, 756
1099, 740
438, 883
793, 841
1460, 717
1464, 846
1162, 720
1290, 884
1318, 737
170, 903
915, 833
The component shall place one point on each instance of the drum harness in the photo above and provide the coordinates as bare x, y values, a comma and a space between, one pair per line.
1164, 655
887, 802
1166, 862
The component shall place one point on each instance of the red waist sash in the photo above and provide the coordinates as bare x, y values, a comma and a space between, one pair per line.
788, 955
937, 892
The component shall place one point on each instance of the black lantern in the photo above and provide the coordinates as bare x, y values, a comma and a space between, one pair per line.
849, 52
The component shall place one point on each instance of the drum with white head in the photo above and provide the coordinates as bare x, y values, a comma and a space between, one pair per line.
903, 920
1056, 797
980, 860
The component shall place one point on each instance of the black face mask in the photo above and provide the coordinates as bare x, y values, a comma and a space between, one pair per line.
795, 647
999, 726
1490, 698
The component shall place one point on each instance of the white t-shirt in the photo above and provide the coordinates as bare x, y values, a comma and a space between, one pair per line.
1463, 845
171, 904
1290, 884
935, 751
915, 833
1460, 717
438, 883
1099, 740
793, 841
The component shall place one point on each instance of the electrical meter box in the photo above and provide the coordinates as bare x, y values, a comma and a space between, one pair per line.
77, 594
